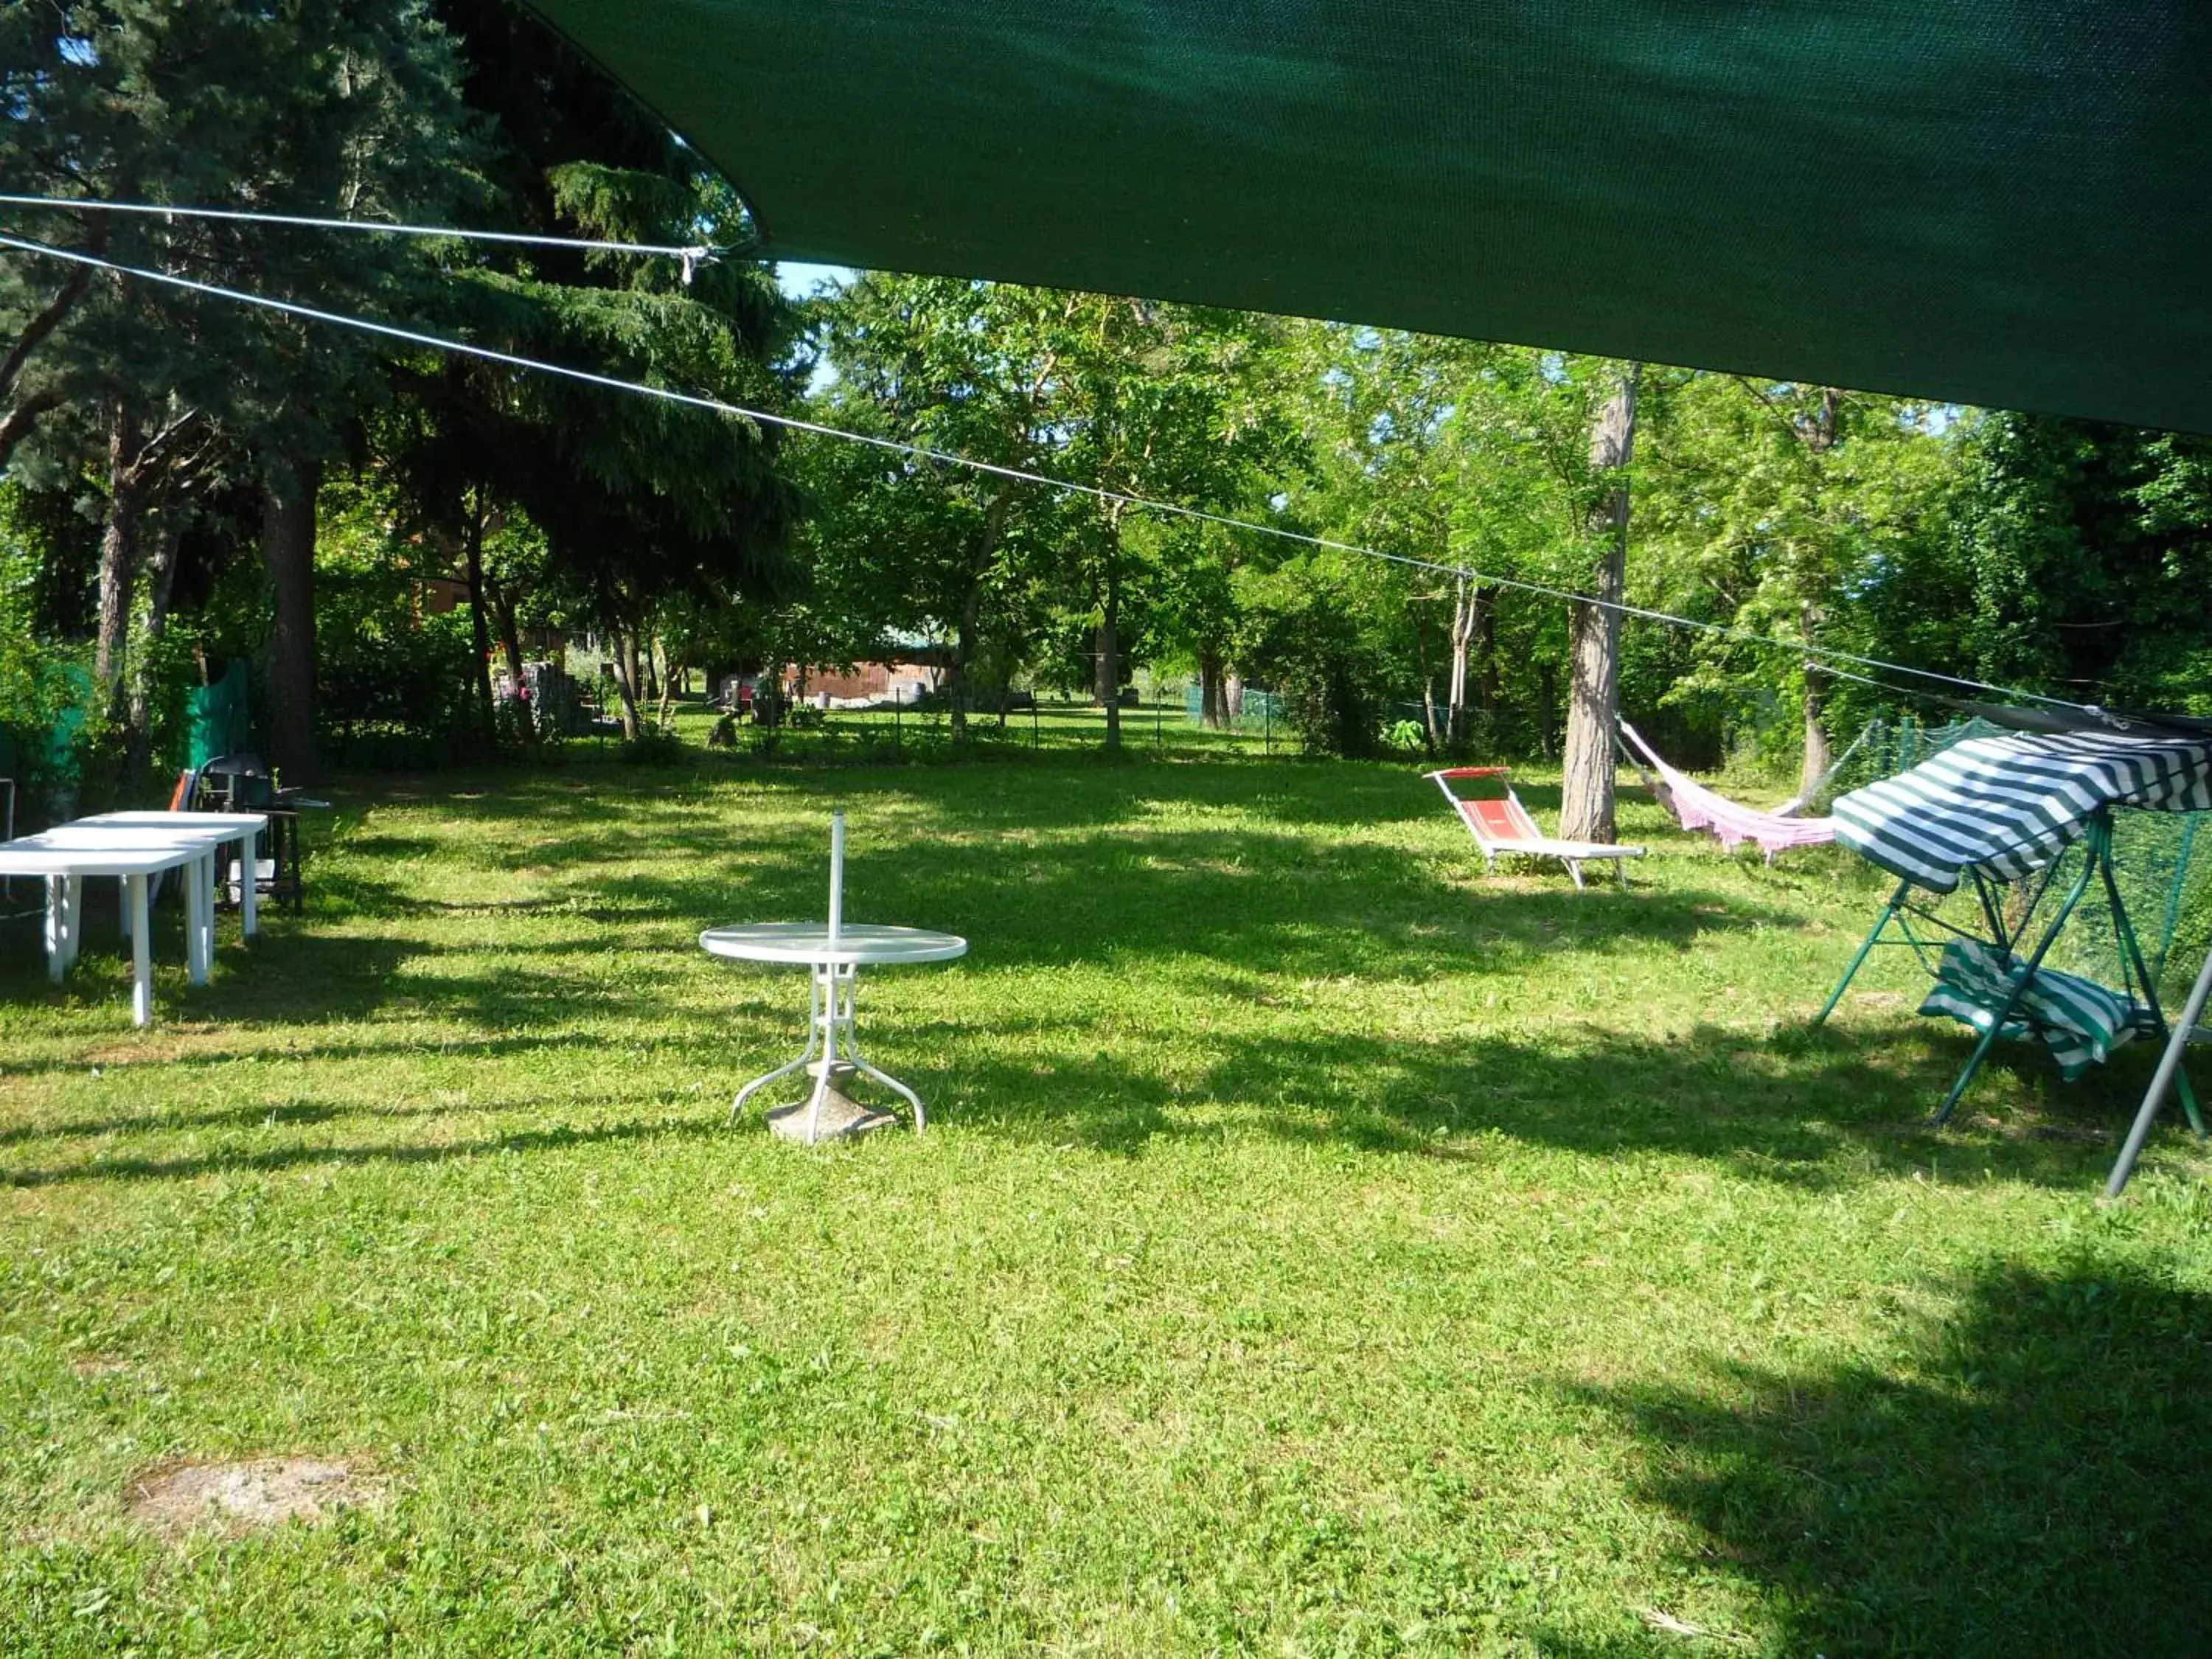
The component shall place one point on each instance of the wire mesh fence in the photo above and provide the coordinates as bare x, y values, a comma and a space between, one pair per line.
1161, 722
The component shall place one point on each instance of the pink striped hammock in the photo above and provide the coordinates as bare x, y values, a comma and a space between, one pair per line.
1697, 807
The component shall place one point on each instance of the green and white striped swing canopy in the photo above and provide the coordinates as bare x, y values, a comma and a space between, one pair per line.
2009, 805
1995, 202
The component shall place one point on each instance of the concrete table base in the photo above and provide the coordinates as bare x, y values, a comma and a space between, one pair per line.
842, 1117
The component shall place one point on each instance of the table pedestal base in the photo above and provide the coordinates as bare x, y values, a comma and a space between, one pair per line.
841, 1117
832, 1055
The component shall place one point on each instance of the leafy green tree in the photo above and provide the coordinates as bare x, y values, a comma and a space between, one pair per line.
1151, 402
1138, 400
1785, 502
902, 544
2083, 554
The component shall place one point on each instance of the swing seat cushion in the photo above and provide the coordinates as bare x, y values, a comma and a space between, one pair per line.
2079, 1021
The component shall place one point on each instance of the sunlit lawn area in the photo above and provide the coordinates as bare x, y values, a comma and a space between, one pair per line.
1317, 1247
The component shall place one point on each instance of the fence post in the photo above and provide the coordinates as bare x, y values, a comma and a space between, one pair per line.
1268, 725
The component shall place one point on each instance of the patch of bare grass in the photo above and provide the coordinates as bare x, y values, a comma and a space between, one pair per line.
175, 1499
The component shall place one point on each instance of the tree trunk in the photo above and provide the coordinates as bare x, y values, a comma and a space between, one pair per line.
1109, 633
964, 640
501, 601
670, 681
1466, 609
161, 582
971, 610
626, 682
1109, 688
1815, 767
1431, 735
1594, 630
288, 550
1213, 689
472, 529
119, 552
1486, 657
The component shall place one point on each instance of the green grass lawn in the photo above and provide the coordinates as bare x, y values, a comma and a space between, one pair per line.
1318, 1247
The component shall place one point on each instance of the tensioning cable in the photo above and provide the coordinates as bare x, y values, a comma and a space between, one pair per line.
1825, 656
692, 255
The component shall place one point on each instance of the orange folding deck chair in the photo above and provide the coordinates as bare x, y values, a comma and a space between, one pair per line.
1499, 823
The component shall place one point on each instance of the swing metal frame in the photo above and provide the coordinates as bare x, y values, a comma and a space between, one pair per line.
2139, 982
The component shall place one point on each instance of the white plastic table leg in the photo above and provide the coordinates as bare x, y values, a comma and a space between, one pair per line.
248, 885
830, 1015
199, 901
56, 927
141, 952
206, 906
920, 1120
72, 918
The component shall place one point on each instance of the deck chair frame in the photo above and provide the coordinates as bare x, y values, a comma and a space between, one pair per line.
1503, 826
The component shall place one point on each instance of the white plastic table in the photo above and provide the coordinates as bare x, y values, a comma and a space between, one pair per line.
133, 847
836, 962
214, 829
65, 866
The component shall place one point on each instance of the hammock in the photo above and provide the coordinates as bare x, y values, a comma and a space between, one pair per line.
1696, 807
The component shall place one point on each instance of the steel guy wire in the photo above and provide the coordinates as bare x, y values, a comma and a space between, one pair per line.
1823, 656
691, 255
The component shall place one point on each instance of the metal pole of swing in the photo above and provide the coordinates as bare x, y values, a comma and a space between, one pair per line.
2168, 1064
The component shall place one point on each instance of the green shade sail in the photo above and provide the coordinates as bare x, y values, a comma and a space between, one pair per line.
1998, 201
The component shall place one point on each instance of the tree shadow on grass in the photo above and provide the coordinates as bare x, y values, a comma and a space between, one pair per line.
1809, 1109
1251, 913
241, 1161
2033, 1479
1241, 896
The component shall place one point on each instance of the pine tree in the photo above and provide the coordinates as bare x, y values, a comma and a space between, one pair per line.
334, 107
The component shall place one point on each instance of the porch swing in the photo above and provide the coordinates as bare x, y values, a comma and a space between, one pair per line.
2027, 825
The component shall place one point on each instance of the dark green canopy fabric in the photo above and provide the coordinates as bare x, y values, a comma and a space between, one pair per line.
1999, 202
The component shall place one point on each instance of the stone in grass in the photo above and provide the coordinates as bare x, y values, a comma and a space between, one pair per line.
174, 1499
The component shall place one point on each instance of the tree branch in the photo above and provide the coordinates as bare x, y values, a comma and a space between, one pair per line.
35, 331
16, 424
1771, 408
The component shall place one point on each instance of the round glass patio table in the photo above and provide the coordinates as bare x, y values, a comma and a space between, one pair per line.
835, 958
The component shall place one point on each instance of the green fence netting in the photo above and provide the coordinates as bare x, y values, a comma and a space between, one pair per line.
218, 717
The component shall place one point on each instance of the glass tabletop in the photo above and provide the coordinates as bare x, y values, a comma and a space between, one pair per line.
857, 944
